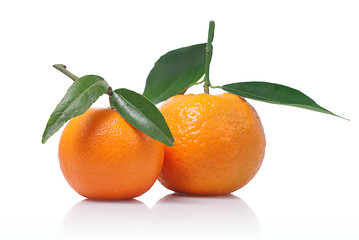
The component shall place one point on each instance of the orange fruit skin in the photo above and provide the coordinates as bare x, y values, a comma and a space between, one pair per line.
219, 144
103, 157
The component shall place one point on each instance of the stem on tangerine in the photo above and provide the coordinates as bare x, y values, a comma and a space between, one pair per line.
209, 52
62, 68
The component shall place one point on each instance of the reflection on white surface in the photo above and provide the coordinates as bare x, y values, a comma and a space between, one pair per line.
187, 217
90, 219
174, 216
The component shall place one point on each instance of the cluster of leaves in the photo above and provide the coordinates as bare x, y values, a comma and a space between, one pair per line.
181, 68
173, 73
134, 107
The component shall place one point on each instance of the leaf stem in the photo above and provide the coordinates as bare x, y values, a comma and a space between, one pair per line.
209, 52
62, 68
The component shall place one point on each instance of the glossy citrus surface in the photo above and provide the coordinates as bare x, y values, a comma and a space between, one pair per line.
219, 144
102, 156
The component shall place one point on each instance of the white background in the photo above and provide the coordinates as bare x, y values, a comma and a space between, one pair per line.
307, 187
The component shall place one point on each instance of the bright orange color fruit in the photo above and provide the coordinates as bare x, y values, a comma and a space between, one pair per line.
219, 144
103, 157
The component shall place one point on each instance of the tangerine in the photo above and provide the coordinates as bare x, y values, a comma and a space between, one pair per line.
102, 156
219, 144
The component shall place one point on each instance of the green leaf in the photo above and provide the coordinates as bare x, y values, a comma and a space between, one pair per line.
142, 114
79, 97
275, 93
175, 71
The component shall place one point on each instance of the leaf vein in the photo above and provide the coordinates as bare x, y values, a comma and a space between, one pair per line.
90, 87
152, 123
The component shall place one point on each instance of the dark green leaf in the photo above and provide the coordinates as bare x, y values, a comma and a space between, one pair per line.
175, 71
142, 114
274, 93
79, 97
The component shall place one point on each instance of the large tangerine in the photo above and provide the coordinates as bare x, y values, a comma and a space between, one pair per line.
219, 144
